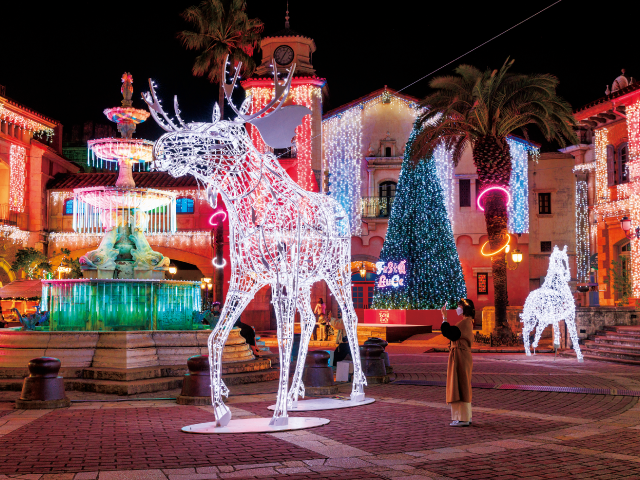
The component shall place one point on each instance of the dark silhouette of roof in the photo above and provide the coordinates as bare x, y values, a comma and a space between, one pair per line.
287, 32
142, 179
611, 96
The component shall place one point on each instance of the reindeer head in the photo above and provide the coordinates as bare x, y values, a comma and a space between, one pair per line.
212, 151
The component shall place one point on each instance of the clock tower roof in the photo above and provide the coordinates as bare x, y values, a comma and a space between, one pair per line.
287, 47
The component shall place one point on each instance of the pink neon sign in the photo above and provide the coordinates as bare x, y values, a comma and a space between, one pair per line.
493, 188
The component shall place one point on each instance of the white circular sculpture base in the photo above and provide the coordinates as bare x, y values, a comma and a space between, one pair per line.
256, 425
325, 404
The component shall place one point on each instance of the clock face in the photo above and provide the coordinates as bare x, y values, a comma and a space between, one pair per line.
283, 55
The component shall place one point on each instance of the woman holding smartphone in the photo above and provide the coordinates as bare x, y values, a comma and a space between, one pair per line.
460, 362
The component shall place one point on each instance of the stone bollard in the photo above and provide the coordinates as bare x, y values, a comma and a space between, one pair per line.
385, 355
373, 364
318, 375
43, 388
196, 386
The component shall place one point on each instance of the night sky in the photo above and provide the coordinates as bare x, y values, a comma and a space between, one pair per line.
65, 59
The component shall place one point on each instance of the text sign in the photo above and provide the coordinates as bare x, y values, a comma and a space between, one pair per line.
391, 274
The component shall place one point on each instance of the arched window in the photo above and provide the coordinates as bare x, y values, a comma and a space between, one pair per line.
184, 205
68, 207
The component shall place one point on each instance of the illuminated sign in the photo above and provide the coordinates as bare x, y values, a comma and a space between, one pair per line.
391, 274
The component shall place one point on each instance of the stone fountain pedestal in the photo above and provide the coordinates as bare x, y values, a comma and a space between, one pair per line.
125, 363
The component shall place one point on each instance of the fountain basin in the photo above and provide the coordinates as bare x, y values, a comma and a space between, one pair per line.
111, 305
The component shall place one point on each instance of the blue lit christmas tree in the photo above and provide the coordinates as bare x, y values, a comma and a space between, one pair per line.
419, 266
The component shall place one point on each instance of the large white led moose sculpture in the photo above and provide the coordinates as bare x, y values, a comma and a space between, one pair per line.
280, 235
552, 303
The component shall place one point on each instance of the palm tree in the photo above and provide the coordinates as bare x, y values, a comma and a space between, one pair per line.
223, 28
480, 109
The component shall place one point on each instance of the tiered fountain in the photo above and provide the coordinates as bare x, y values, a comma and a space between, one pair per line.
123, 286
123, 328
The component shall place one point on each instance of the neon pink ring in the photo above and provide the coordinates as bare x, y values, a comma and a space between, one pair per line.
215, 215
493, 188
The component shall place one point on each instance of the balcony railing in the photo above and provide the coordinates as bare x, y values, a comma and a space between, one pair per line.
376, 207
8, 217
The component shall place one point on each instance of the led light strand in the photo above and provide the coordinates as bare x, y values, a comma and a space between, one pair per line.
7, 115
305, 95
582, 231
18, 166
183, 240
633, 146
518, 207
552, 303
14, 234
445, 172
602, 185
342, 136
584, 167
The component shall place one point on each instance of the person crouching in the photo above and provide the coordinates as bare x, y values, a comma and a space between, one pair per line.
460, 362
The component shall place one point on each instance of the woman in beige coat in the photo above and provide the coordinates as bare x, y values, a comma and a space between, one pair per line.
460, 362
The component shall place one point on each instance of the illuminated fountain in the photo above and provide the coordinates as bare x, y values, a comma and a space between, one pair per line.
124, 286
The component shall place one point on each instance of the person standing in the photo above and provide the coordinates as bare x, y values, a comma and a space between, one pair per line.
460, 362
320, 312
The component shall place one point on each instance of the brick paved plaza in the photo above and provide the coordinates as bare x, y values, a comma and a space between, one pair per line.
404, 435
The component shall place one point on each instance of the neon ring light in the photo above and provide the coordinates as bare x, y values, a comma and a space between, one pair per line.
493, 188
504, 247
219, 212
224, 263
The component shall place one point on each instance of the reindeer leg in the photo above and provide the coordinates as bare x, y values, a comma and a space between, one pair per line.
526, 331
285, 307
539, 329
571, 326
307, 320
340, 286
234, 304
556, 335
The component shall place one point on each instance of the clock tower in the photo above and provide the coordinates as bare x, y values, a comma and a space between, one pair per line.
303, 161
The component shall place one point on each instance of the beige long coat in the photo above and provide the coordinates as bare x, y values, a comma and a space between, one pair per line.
460, 364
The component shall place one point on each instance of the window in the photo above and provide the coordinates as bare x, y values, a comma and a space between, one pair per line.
544, 203
465, 192
356, 293
387, 195
68, 207
623, 168
478, 188
483, 283
387, 151
545, 247
184, 205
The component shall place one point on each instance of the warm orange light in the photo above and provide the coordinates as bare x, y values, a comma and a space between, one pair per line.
506, 245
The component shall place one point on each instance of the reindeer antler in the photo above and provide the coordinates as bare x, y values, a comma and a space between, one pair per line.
277, 127
154, 108
281, 91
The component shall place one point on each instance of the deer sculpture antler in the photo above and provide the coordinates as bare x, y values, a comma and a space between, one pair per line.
278, 126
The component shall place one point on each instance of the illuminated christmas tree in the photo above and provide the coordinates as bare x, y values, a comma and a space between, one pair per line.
419, 267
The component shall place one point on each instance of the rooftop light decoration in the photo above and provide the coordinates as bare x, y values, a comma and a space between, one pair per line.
280, 234
551, 304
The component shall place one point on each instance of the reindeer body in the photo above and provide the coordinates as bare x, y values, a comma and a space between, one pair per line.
280, 235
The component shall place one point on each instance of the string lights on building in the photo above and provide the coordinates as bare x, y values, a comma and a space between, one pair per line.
444, 170
183, 240
305, 95
343, 156
343, 152
518, 207
602, 185
14, 234
633, 143
17, 183
582, 231
25, 123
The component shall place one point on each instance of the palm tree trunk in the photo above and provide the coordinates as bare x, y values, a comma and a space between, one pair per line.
493, 162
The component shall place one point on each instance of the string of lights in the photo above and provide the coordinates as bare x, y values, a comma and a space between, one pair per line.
181, 240
602, 185
445, 171
633, 146
18, 177
582, 231
14, 234
518, 208
9, 116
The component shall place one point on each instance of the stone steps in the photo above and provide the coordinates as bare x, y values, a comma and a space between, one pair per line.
571, 353
608, 340
616, 343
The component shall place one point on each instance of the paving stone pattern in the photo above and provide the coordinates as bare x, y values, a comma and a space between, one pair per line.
404, 435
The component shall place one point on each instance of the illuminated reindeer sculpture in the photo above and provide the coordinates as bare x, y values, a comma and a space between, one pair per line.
280, 235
